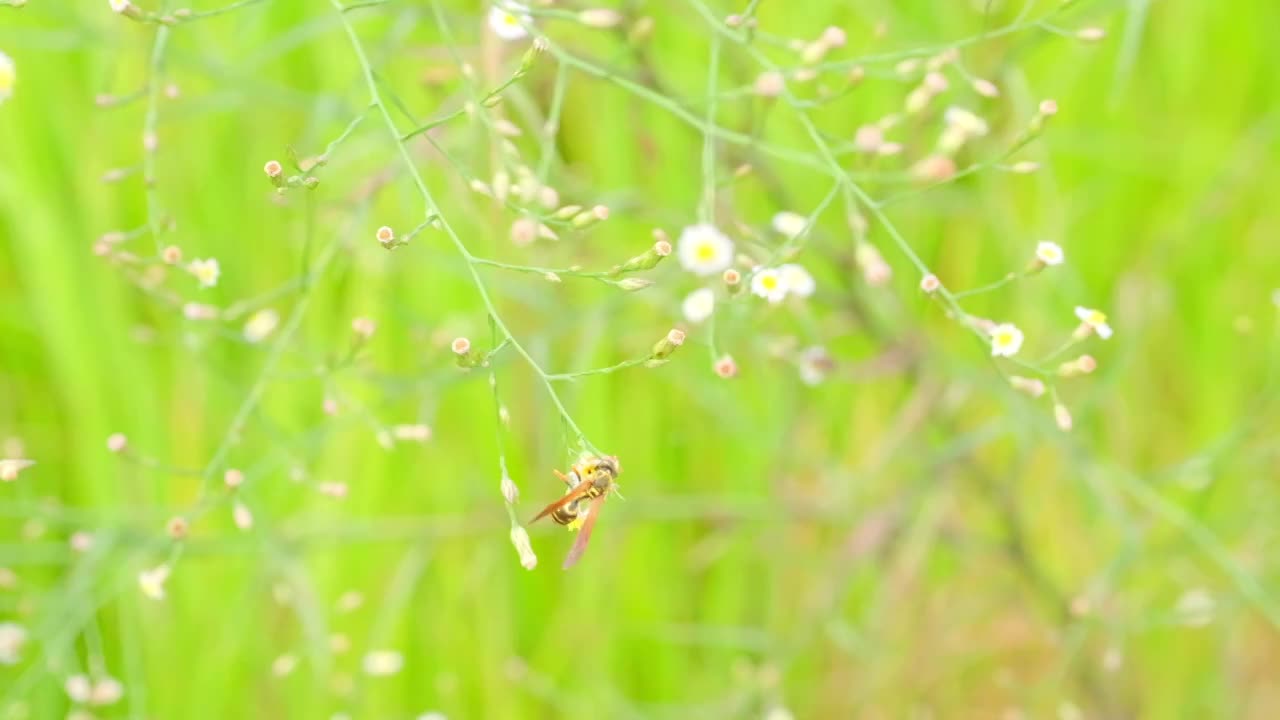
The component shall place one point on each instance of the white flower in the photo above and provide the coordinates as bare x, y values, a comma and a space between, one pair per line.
78, 688
699, 305
704, 250
1049, 253
8, 76
242, 516
797, 280
1095, 319
966, 121
768, 284
1006, 340
152, 581
12, 638
261, 324
206, 271
120, 6
508, 22
106, 691
10, 467
380, 663
789, 224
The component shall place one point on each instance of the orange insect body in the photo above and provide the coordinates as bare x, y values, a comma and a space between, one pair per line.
589, 481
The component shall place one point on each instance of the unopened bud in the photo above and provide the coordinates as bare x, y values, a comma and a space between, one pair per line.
466, 356
725, 367
275, 172
520, 539
664, 347
172, 255
1091, 34
1062, 417
590, 217
985, 88
117, 442
732, 277
509, 490
632, 284
1082, 365
600, 17
363, 327
386, 237
1025, 167
930, 283
177, 527
644, 261
1030, 386
530, 56
233, 478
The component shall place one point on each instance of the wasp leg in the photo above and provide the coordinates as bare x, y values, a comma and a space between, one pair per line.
563, 477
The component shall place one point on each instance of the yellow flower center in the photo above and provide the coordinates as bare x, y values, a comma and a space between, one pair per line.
6, 78
1095, 317
1004, 338
510, 19
706, 251
769, 282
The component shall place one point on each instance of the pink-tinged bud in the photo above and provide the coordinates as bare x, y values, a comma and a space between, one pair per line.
524, 231
233, 478
177, 527
241, 515
509, 490
334, 490
117, 442
329, 406
461, 346
664, 347
1086, 363
770, 84
412, 433
600, 18
662, 248
934, 168
1030, 386
273, 168
936, 82
363, 327
172, 255
112, 238
676, 337
81, 541
725, 367
1025, 167
150, 142
1048, 108
731, 277
172, 91
385, 236
104, 100
199, 311
733, 21
1091, 34
834, 37
985, 88
930, 283
1062, 417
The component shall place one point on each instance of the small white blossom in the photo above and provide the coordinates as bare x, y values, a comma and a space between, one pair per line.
8, 76
12, 638
789, 224
260, 325
78, 689
1095, 320
1049, 253
120, 6
380, 663
797, 280
1006, 340
768, 284
699, 305
242, 516
508, 21
152, 581
10, 467
205, 271
704, 250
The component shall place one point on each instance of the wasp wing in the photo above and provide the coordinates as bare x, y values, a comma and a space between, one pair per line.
575, 494
584, 535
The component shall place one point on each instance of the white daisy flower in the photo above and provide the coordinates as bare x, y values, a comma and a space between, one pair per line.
152, 581
8, 76
260, 325
1006, 340
768, 284
797, 280
1049, 253
508, 22
206, 271
1096, 320
704, 250
789, 224
699, 305
380, 663
12, 638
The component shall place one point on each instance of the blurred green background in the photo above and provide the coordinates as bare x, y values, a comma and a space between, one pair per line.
909, 538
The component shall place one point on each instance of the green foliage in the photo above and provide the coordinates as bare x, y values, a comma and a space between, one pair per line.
910, 536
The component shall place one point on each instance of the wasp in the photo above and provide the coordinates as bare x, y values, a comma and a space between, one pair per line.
589, 482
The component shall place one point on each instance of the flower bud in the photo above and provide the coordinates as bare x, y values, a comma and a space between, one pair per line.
1062, 417
509, 490
467, 356
587, 218
632, 284
725, 367
664, 347
1030, 386
644, 261
520, 539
